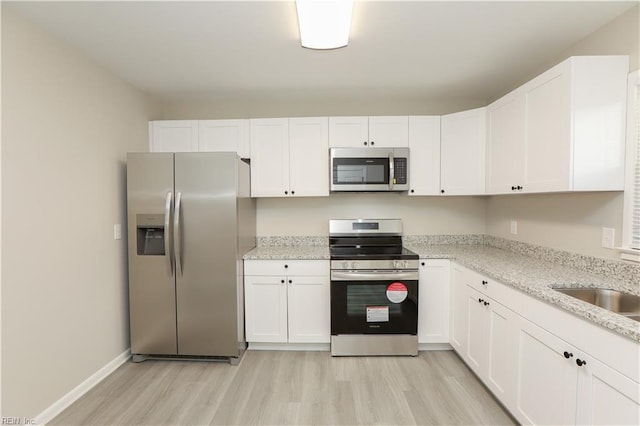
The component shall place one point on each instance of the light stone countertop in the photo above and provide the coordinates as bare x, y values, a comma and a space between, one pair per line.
529, 274
537, 278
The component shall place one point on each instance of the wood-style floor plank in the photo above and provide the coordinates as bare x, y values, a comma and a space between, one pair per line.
291, 388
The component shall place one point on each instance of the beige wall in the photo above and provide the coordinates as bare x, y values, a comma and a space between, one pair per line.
66, 127
292, 106
420, 215
572, 222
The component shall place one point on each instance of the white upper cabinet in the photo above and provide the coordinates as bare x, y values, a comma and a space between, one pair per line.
505, 144
348, 132
289, 157
309, 156
270, 157
462, 153
562, 131
224, 136
200, 136
389, 131
575, 125
173, 136
361, 132
424, 155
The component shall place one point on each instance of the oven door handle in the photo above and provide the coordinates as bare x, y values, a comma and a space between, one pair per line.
373, 276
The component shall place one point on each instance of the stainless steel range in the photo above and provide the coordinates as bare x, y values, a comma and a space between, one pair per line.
374, 289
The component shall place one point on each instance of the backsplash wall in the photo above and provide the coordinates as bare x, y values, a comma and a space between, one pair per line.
420, 215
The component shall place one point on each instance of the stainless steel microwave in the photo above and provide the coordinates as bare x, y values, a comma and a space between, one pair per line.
369, 169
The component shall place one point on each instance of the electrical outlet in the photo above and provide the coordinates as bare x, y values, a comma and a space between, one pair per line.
608, 237
514, 227
117, 231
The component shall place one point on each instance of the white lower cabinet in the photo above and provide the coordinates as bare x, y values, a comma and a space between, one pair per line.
546, 377
559, 384
537, 359
490, 343
458, 318
287, 301
433, 301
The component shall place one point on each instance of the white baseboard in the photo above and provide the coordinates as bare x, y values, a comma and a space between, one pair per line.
57, 407
289, 346
434, 347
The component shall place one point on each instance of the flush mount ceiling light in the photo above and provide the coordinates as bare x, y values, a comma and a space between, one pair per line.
324, 24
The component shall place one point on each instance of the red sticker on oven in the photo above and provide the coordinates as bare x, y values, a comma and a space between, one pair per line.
397, 292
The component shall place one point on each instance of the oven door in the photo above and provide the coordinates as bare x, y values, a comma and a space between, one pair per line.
374, 302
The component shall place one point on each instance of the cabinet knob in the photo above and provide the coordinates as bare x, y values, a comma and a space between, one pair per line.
293, 192
412, 191
422, 263
442, 191
480, 300
513, 188
518, 187
485, 282
372, 143
286, 192
290, 281
282, 281
580, 362
567, 355
365, 143
286, 266
486, 303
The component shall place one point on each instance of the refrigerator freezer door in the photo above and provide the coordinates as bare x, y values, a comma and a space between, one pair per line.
151, 279
206, 284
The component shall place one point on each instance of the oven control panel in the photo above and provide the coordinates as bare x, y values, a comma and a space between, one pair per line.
378, 264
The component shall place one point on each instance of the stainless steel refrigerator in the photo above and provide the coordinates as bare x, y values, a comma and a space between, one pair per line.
190, 220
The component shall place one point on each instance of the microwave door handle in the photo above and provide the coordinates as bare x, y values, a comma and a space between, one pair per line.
392, 172
167, 234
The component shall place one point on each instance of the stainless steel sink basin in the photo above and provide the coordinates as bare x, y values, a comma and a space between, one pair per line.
616, 301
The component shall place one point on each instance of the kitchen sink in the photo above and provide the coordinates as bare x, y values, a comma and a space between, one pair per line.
615, 301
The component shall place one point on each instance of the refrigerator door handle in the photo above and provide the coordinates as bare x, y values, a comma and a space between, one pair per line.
177, 235
167, 240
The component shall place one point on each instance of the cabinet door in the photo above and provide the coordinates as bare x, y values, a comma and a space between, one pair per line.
505, 144
173, 136
309, 156
548, 131
309, 309
224, 136
347, 132
502, 338
433, 301
462, 163
265, 308
389, 131
478, 332
459, 311
424, 145
546, 380
270, 157
606, 396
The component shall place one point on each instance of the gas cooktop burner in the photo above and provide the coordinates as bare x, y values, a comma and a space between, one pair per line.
367, 239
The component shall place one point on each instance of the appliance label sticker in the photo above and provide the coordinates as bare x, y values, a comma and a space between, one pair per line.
397, 292
377, 314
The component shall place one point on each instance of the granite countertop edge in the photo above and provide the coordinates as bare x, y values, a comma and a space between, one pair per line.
528, 274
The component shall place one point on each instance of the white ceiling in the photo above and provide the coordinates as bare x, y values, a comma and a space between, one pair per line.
195, 50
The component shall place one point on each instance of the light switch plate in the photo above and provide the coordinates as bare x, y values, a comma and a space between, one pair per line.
608, 237
514, 227
117, 231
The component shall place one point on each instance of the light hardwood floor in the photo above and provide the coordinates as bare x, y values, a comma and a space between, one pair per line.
291, 388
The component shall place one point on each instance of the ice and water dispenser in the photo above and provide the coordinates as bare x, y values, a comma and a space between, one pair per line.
150, 234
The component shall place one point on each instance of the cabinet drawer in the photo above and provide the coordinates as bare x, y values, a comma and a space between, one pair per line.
478, 282
286, 267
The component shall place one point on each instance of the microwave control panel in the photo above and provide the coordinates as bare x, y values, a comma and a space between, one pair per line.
400, 171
